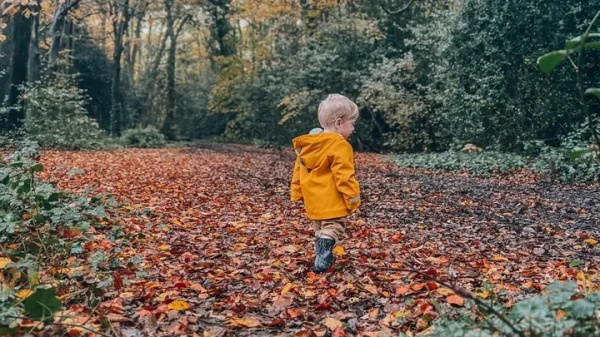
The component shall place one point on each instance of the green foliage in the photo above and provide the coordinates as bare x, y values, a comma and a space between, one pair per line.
148, 137
280, 100
34, 218
561, 311
483, 164
478, 68
556, 163
55, 115
390, 93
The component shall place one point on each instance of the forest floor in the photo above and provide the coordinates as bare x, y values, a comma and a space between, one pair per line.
225, 253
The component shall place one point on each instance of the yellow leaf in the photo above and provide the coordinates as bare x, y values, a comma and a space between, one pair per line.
332, 323
2, 37
4, 261
591, 242
287, 288
24, 2
444, 291
483, 294
246, 322
164, 247
179, 305
24, 293
498, 257
339, 251
26, 216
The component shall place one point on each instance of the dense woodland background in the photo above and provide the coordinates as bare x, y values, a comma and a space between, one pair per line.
428, 75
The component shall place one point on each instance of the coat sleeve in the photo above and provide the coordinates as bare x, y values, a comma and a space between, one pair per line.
342, 168
295, 189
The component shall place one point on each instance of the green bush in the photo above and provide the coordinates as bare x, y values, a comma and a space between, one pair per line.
557, 163
148, 137
55, 115
482, 83
561, 311
483, 164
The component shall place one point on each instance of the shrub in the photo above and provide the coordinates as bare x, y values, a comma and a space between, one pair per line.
55, 115
148, 137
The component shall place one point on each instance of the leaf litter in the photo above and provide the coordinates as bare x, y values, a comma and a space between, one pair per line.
224, 252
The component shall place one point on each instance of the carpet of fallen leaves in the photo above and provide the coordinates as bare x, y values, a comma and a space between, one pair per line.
225, 253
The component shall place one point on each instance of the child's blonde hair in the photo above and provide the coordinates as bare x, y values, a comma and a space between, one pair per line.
336, 106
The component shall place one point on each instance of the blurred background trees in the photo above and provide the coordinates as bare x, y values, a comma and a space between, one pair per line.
428, 75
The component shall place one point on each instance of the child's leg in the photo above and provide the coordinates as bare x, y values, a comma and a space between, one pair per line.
327, 233
330, 229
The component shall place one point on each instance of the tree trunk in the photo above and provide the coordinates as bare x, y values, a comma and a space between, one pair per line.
168, 128
19, 68
34, 51
119, 26
57, 28
220, 16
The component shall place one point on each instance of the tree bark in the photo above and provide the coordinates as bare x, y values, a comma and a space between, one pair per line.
19, 68
58, 26
34, 50
220, 16
168, 128
119, 28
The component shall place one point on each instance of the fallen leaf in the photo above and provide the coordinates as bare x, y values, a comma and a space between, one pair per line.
339, 251
179, 305
455, 299
332, 323
591, 242
4, 261
24, 293
249, 322
499, 258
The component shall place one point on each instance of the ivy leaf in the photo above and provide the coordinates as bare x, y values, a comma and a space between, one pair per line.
37, 168
549, 61
578, 153
576, 41
42, 304
582, 308
593, 91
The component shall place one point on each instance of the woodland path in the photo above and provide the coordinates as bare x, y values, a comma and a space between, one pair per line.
224, 253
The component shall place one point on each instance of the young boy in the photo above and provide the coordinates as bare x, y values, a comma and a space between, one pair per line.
324, 175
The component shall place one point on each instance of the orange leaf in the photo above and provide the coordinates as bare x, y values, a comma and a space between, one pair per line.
338, 332
245, 322
417, 286
455, 299
402, 290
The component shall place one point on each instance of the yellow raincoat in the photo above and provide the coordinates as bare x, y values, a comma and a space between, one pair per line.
324, 176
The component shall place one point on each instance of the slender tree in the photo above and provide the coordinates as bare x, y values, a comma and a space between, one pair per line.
19, 65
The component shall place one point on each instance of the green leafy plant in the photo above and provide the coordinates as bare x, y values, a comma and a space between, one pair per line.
55, 115
40, 227
148, 137
574, 48
561, 311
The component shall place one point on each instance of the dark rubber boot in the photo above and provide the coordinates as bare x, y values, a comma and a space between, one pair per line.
324, 257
